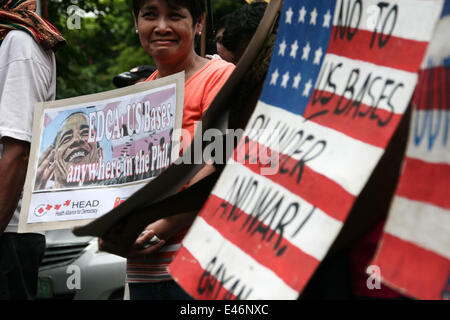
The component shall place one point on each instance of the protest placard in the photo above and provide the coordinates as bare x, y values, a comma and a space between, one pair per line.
341, 76
414, 252
90, 153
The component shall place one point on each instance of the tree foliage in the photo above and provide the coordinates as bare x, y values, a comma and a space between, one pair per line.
103, 44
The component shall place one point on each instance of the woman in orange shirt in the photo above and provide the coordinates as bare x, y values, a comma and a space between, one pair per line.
167, 30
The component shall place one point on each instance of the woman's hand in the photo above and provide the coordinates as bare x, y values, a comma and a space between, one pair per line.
139, 249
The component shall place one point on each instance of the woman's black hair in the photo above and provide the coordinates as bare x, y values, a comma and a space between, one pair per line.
195, 7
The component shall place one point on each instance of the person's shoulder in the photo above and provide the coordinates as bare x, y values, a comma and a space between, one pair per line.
213, 72
219, 67
20, 35
218, 64
17, 38
23, 46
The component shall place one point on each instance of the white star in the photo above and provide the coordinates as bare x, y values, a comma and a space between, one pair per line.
285, 80
289, 14
308, 86
306, 50
302, 13
282, 48
294, 48
317, 55
326, 19
313, 17
297, 79
273, 80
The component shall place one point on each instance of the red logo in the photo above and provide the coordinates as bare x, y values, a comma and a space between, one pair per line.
118, 201
40, 210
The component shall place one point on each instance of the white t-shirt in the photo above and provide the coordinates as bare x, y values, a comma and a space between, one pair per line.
27, 76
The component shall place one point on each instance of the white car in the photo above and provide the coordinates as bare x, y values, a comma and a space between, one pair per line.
74, 268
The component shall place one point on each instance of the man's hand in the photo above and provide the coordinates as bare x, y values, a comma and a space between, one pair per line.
139, 249
46, 167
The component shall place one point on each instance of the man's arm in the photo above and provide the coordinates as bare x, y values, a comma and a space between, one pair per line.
13, 169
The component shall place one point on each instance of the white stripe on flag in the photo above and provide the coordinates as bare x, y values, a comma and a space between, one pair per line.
203, 241
305, 240
423, 224
344, 160
411, 10
429, 127
394, 94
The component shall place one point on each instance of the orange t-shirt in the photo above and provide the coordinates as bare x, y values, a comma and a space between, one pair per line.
199, 91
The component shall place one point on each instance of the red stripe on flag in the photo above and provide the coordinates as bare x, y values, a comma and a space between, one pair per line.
425, 181
397, 53
368, 124
313, 187
198, 283
432, 89
409, 268
260, 241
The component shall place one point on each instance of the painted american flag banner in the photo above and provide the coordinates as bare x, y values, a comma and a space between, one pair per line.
341, 76
414, 252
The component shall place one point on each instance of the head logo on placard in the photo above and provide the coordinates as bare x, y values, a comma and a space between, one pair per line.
40, 210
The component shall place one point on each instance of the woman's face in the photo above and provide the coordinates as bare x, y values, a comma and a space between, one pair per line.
166, 31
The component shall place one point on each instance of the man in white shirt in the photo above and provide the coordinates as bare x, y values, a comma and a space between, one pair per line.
27, 76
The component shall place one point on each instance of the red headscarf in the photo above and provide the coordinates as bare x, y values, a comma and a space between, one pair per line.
21, 15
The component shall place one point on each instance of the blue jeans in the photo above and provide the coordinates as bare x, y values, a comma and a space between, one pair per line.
164, 290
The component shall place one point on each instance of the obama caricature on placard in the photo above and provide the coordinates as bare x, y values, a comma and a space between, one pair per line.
69, 148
